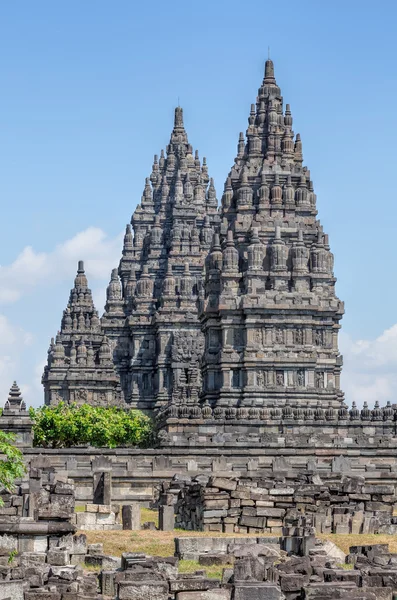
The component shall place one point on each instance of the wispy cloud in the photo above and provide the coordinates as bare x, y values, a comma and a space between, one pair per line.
32, 268
370, 367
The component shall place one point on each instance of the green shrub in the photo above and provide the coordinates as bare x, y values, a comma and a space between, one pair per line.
11, 466
64, 426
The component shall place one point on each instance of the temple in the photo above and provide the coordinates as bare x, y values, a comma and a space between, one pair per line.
80, 365
151, 314
213, 309
271, 317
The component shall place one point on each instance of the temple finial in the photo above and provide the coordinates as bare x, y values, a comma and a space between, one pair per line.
178, 120
269, 71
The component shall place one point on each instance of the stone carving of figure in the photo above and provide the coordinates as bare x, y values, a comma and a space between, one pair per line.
298, 336
319, 379
279, 336
280, 378
318, 338
257, 336
260, 379
301, 378
81, 396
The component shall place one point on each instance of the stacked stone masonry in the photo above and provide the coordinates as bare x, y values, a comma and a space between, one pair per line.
220, 504
41, 558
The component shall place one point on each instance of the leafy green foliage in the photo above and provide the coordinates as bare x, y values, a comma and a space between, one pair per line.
11, 466
64, 426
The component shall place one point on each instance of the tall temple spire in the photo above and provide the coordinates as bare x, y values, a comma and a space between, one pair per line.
74, 372
278, 313
173, 227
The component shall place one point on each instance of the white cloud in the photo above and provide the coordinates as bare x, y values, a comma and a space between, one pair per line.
370, 368
34, 271
12, 341
31, 268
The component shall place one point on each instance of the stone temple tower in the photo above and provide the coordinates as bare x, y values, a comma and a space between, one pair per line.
270, 316
80, 368
151, 314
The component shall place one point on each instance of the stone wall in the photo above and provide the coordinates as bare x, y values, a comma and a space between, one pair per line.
135, 474
98, 517
220, 504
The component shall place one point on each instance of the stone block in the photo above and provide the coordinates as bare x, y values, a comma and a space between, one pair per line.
77, 559
224, 483
40, 543
257, 590
41, 595
131, 516
259, 493
103, 562
217, 594
379, 489
8, 544
258, 522
105, 509
192, 584
378, 506
79, 544
274, 523
86, 521
11, 590
166, 518
57, 557
95, 549
143, 590
212, 514
292, 582
106, 518
270, 512
222, 503
32, 559
287, 491
208, 560
108, 587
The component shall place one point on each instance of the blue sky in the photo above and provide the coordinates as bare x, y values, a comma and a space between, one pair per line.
87, 97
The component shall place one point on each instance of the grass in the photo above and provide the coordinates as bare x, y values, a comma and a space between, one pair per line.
155, 543
92, 568
345, 566
213, 572
149, 515
345, 541
161, 543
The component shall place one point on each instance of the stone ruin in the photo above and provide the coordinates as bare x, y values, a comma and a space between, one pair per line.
42, 557
223, 323
212, 309
268, 506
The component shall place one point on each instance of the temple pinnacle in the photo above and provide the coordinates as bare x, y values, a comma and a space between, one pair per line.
178, 119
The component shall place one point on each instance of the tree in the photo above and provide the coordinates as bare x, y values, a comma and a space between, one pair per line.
12, 466
65, 426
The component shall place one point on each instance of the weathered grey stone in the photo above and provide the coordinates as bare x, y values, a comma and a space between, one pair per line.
219, 594
166, 518
11, 590
257, 591
131, 516
143, 590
